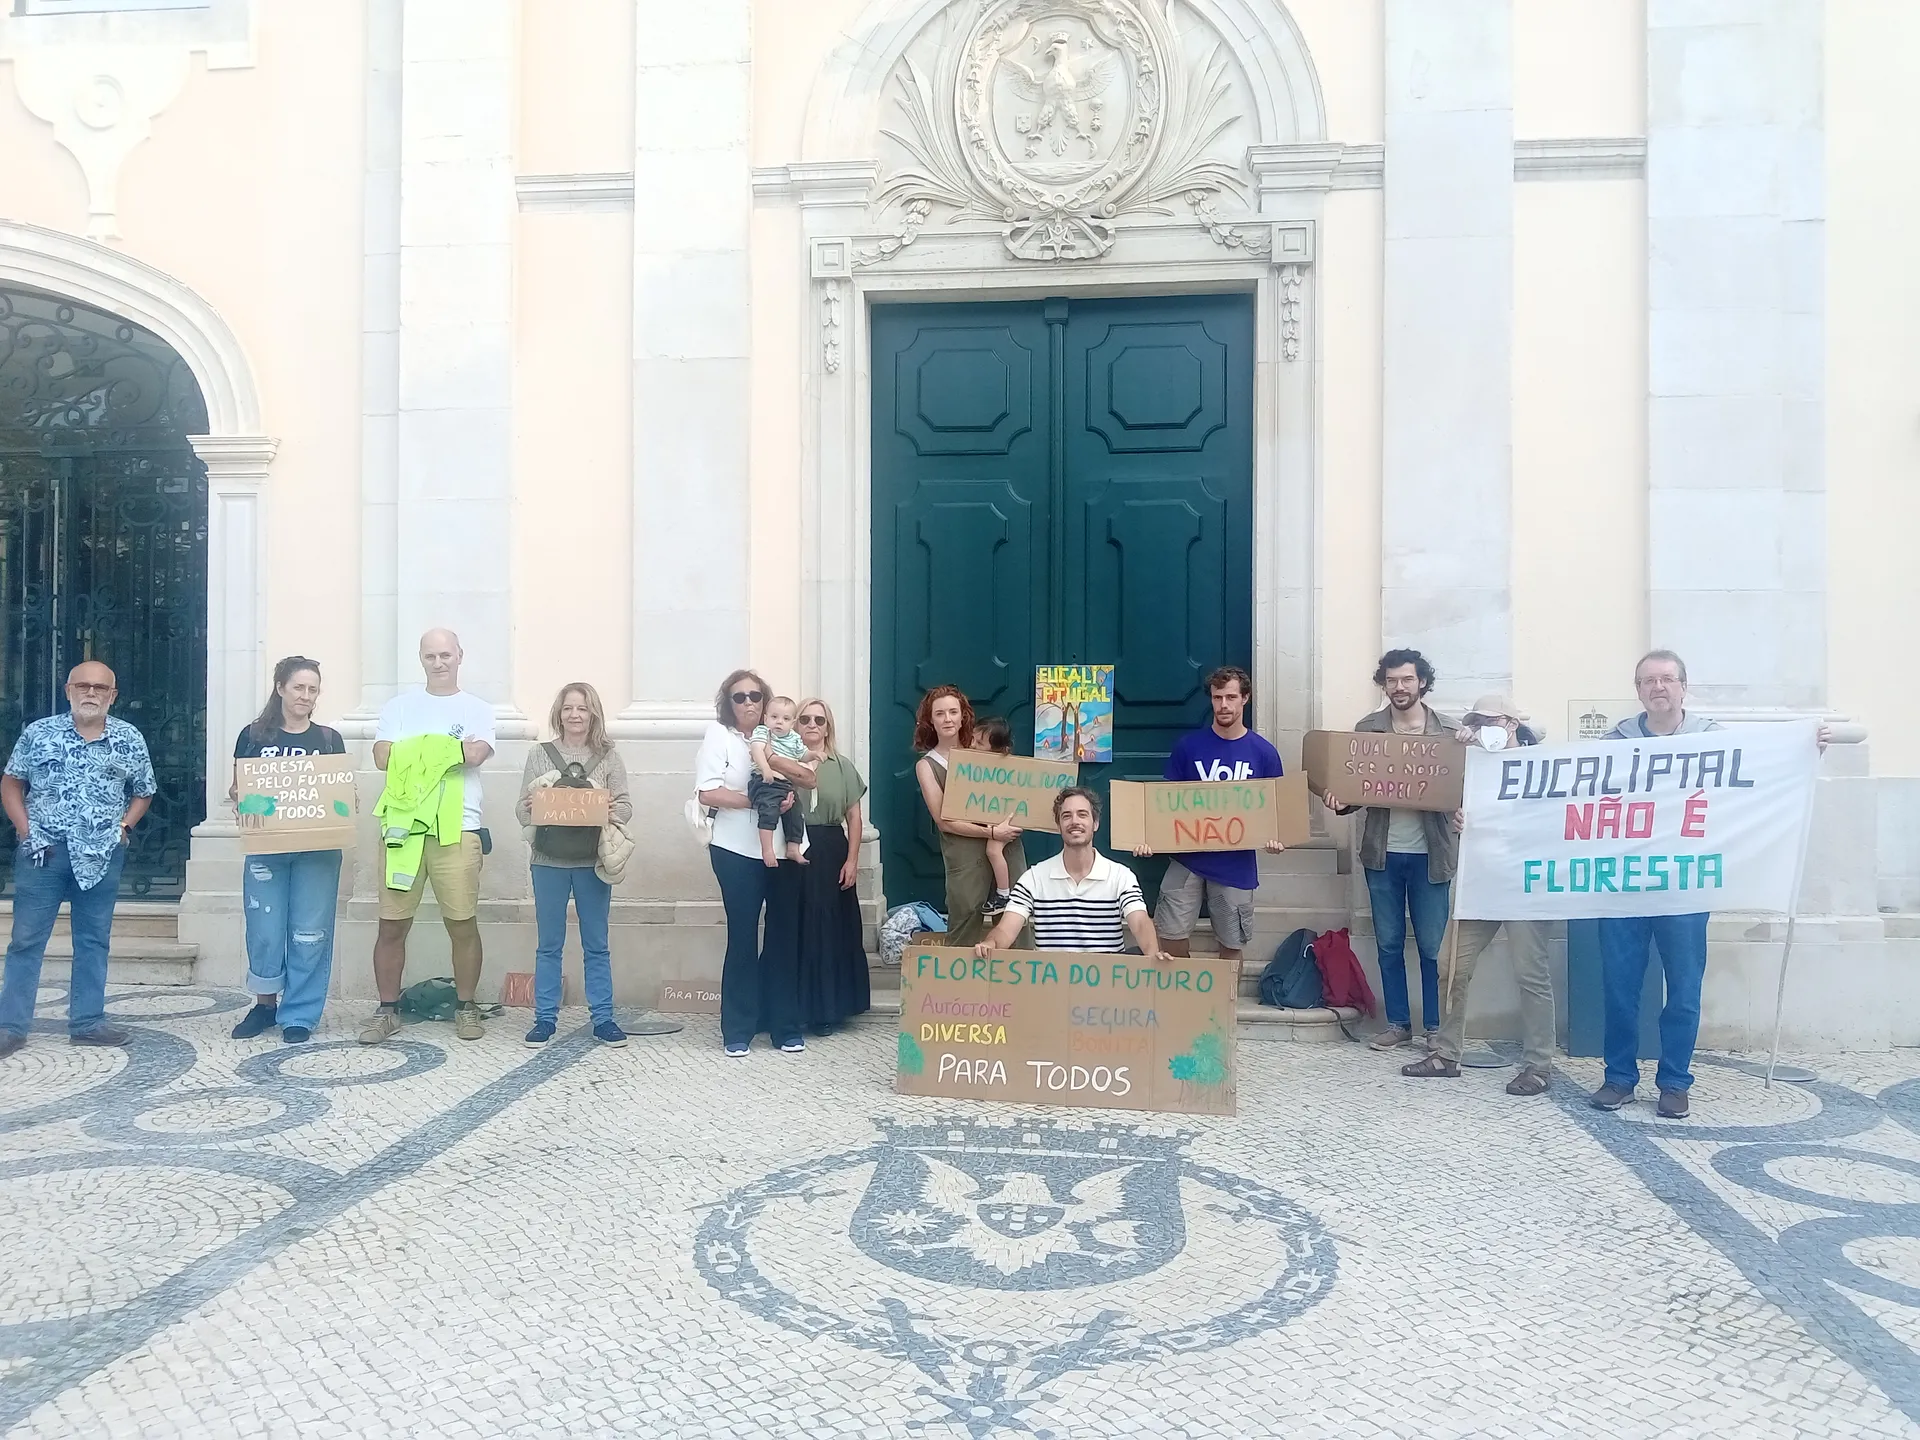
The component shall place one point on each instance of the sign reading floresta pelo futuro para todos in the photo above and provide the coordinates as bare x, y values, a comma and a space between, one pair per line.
1666, 825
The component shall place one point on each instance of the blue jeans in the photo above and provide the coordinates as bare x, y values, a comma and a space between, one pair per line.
1400, 887
38, 891
760, 982
592, 899
290, 903
1623, 971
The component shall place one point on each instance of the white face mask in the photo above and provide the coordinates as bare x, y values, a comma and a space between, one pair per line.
1493, 737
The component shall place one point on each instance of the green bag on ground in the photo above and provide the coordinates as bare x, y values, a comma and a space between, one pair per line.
429, 1000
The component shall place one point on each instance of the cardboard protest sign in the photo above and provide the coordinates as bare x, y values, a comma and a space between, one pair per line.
696, 997
1404, 772
290, 803
1005, 789
564, 805
1073, 713
1174, 817
1667, 825
1051, 1027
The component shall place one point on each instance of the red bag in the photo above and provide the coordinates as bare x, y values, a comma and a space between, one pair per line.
1341, 978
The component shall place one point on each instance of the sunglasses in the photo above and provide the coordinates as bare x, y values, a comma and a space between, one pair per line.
813, 720
748, 697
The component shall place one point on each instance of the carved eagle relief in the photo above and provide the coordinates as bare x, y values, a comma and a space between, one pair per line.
1066, 91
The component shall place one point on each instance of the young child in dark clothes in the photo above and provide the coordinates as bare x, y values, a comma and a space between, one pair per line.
995, 736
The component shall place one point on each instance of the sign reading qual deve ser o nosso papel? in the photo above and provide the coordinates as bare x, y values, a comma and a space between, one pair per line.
1005, 789
1666, 825
1401, 772
1055, 1027
290, 803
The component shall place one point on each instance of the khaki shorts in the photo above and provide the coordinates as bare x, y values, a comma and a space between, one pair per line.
455, 873
1181, 891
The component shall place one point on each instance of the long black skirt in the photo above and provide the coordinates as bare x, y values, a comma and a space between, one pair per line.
833, 960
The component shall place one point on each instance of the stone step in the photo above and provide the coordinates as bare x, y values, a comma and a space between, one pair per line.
1902, 925
156, 918
1319, 856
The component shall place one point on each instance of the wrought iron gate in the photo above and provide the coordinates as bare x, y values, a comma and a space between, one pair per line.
103, 548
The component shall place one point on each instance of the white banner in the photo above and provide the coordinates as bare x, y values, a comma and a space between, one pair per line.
1670, 825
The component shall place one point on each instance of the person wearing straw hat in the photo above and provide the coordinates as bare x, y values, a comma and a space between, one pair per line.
1495, 723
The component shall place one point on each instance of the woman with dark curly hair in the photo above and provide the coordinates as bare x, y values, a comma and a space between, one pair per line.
945, 724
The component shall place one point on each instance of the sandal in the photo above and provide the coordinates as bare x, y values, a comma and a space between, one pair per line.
1434, 1067
1528, 1082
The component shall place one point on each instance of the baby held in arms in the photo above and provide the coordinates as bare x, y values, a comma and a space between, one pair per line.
995, 736
769, 789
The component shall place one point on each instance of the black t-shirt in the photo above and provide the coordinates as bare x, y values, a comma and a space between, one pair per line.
314, 740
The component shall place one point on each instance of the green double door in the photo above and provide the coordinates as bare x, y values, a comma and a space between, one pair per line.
1055, 482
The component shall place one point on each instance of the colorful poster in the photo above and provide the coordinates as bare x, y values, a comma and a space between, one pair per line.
1073, 713
1668, 825
1052, 1027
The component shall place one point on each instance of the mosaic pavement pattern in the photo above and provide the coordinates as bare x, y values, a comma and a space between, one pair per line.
211, 1237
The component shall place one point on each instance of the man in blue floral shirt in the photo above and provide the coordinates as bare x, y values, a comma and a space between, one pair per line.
75, 785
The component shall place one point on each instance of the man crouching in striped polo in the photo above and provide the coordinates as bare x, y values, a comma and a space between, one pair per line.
1078, 900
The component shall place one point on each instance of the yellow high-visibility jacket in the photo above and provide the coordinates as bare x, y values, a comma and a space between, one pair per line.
425, 795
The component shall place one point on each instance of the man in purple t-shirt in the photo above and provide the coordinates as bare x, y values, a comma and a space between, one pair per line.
1226, 879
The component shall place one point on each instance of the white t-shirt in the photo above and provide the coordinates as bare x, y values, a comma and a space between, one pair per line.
463, 716
725, 763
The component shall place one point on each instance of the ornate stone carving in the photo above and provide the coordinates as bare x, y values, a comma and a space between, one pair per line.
1055, 118
1292, 282
830, 302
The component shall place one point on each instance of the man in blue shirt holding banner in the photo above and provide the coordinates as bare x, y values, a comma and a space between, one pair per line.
1225, 879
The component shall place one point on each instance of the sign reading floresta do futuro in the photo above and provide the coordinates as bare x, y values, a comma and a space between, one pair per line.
1667, 825
1053, 1027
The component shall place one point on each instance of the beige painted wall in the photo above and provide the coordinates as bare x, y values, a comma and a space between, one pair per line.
1873, 372
1579, 68
1579, 443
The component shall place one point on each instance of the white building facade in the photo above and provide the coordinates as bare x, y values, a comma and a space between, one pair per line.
882, 342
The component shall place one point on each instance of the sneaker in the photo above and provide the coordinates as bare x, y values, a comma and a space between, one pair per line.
795, 1046
383, 1024
541, 1032
994, 906
608, 1033
1672, 1106
257, 1021
102, 1035
734, 1052
295, 1034
1611, 1096
1530, 1081
1391, 1038
466, 1021
10, 1042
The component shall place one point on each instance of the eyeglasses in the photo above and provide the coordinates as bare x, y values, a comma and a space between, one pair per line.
87, 687
748, 697
813, 720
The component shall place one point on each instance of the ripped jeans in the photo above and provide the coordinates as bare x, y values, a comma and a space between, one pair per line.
290, 902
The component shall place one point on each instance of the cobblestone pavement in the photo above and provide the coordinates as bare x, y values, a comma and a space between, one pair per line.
211, 1237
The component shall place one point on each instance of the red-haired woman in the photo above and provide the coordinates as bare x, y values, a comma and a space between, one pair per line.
945, 724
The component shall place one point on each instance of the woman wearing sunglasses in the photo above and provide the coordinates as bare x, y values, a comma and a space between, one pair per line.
759, 981
833, 954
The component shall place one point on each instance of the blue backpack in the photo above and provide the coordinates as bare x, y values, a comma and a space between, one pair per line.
1291, 980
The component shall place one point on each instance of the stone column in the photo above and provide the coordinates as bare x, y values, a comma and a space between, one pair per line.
380, 370
1447, 395
692, 392
454, 426
1736, 506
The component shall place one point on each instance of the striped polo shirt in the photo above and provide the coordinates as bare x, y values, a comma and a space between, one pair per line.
1070, 914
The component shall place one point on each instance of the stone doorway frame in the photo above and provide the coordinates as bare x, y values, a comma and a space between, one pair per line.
849, 267
235, 451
